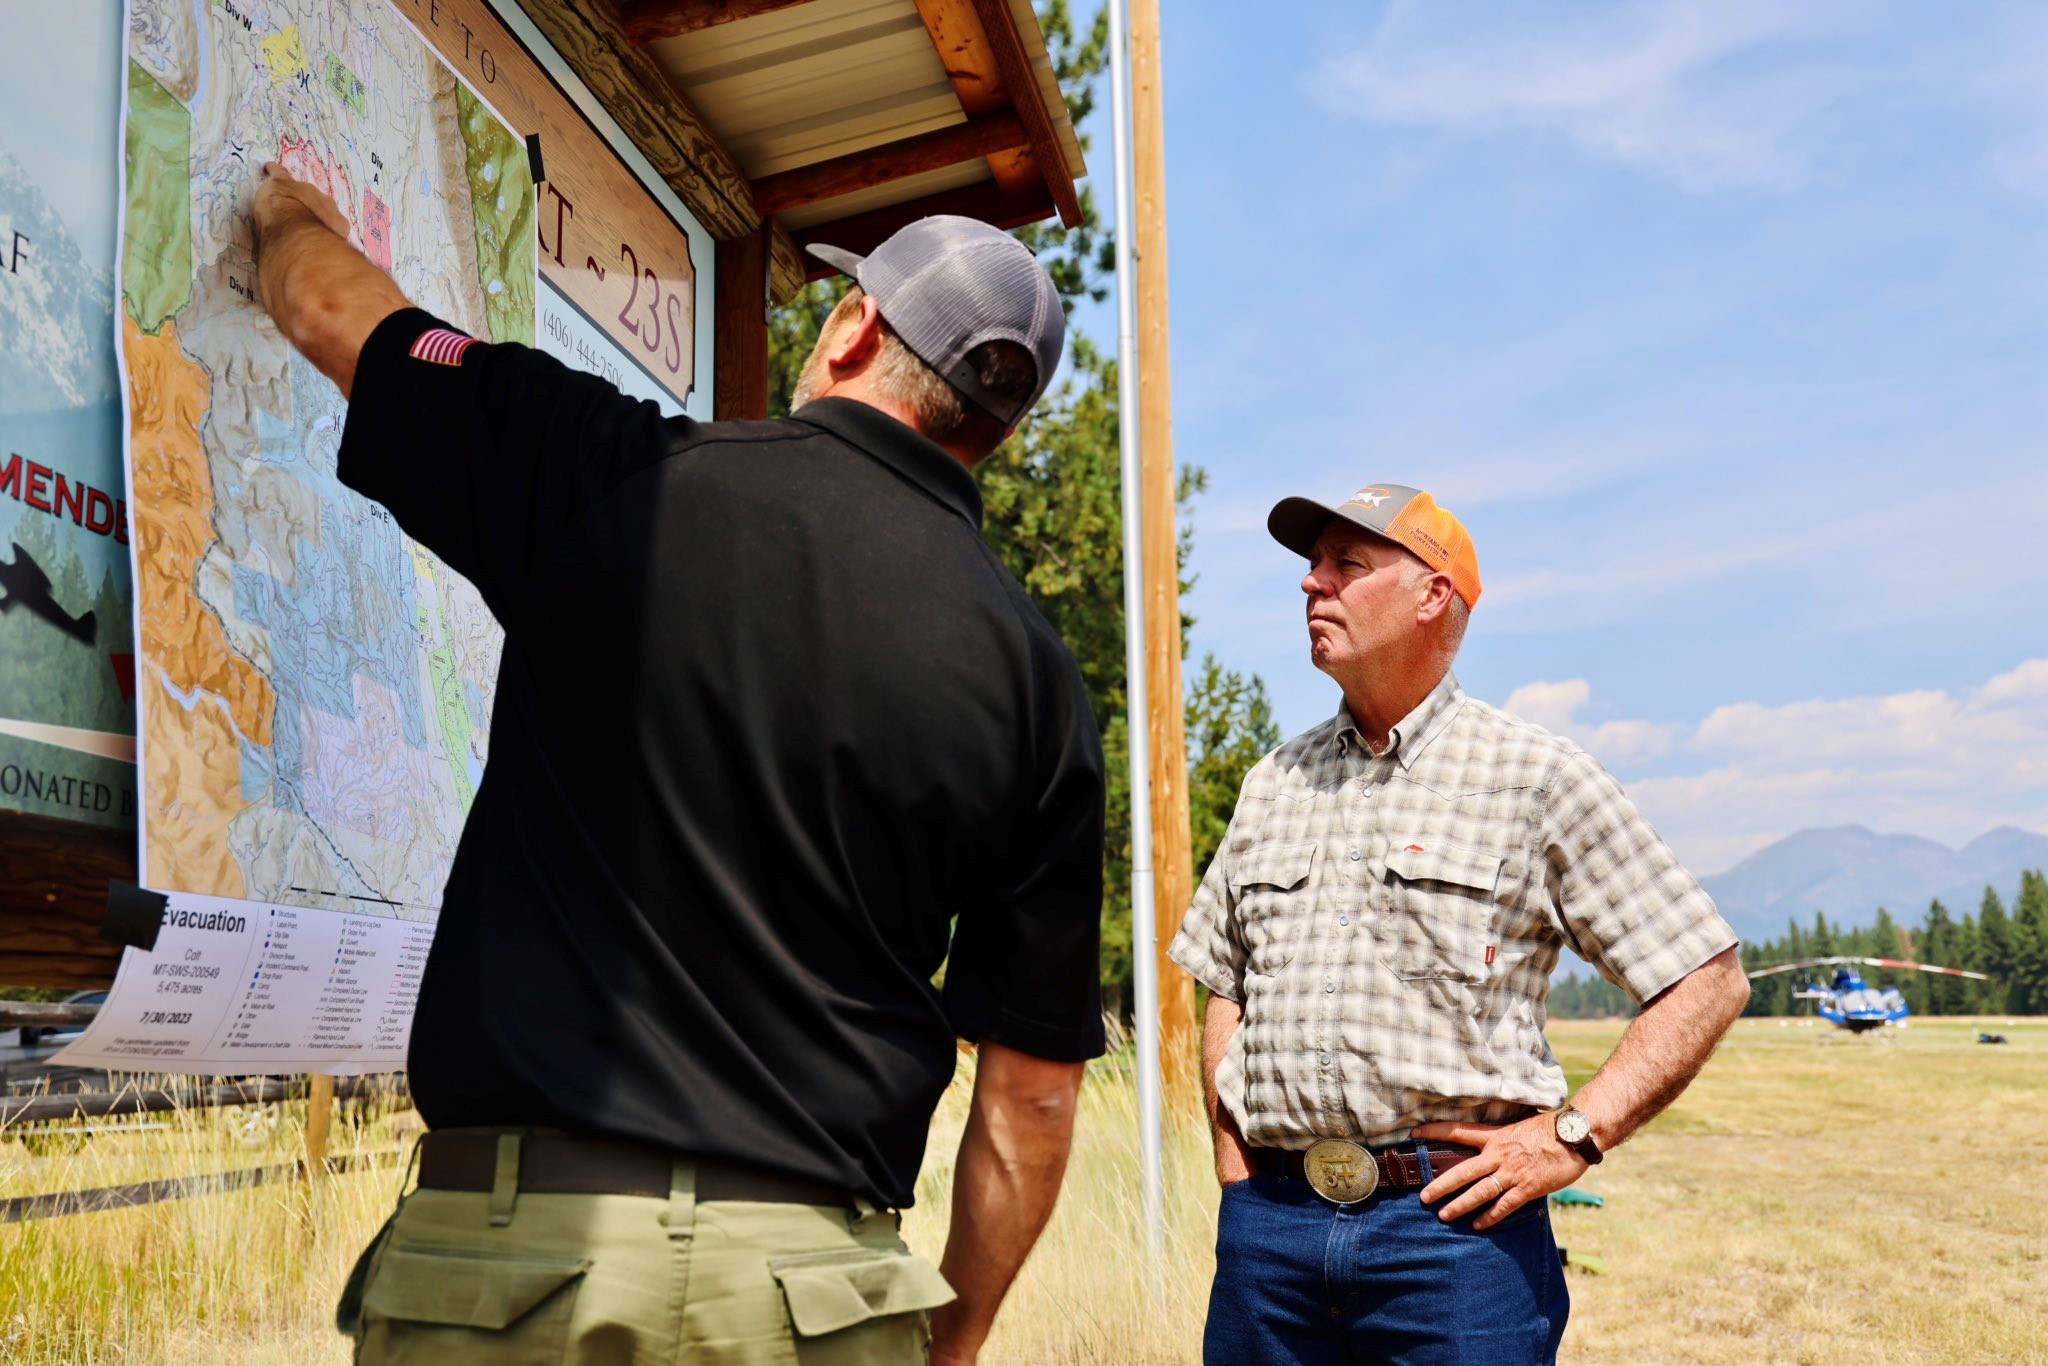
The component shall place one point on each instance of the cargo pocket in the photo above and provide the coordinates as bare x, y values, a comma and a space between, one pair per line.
348, 1311
1442, 910
1274, 899
859, 1304
428, 1303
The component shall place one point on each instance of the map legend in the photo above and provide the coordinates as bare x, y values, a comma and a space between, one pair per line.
262, 989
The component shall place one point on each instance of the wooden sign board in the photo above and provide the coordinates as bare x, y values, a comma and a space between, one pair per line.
606, 245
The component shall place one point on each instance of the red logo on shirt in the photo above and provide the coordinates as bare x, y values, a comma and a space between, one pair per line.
1491, 950
1415, 849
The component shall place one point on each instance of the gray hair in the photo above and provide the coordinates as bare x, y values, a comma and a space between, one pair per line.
1450, 629
1451, 635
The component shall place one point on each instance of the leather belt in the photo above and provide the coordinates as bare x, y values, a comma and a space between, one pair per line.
564, 1164
1399, 1167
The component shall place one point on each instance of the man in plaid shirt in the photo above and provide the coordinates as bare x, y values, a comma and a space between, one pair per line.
1377, 932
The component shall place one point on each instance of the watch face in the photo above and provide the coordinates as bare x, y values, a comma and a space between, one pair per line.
1572, 1127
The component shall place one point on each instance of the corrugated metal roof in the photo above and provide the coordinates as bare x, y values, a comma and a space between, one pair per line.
801, 85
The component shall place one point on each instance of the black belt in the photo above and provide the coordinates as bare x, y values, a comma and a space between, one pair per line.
563, 1164
1399, 1167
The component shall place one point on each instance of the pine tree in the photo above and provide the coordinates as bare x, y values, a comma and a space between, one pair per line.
1230, 728
1994, 952
1966, 952
1881, 940
1761, 989
1822, 944
1588, 997
2029, 990
1937, 945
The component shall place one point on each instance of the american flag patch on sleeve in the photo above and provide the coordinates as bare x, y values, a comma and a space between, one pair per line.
441, 346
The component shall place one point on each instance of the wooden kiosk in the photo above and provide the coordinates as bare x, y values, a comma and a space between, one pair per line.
770, 124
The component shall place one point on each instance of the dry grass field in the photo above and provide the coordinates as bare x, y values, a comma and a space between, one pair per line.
1815, 1198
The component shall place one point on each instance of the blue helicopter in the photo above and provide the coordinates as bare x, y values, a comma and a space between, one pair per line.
1848, 1002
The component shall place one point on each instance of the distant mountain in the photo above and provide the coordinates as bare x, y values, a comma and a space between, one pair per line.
1849, 872
56, 308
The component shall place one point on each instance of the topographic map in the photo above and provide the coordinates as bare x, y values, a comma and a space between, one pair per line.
314, 688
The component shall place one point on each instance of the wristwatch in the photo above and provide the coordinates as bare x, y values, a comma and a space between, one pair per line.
1575, 1131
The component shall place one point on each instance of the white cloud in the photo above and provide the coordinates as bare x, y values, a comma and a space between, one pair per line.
1930, 763
1555, 706
2028, 683
1654, 83
1549, 705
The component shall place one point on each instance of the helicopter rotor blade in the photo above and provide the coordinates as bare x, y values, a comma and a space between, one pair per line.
1928, 967
1898, 963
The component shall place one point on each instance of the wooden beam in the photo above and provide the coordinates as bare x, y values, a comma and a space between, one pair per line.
1007, 47
636, 92
899, 160
135, 1100
45, 1014
53, 900
977, 82
862, 233
963, 48
649, 21
786, 266
740, 326
1173, 877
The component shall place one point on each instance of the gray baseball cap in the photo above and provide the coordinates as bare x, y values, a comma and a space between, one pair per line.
947, 284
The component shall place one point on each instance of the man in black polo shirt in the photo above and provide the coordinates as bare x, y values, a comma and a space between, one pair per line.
771, 715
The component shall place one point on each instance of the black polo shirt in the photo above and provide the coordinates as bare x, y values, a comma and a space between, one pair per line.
773, 726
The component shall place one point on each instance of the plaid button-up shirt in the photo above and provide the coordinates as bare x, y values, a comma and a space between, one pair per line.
1389, 922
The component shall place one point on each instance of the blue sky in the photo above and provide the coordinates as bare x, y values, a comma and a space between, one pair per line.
1724, 326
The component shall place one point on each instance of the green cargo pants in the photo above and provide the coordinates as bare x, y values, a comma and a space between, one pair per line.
510, 1279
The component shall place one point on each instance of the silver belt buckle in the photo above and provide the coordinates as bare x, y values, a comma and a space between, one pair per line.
1340, 1171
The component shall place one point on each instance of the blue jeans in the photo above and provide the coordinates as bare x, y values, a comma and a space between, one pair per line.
1301, 1280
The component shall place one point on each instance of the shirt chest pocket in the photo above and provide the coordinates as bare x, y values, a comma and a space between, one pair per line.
1275, 893
1441, 909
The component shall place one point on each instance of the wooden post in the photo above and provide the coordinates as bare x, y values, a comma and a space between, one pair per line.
739, 386
319, 1122
1172, 867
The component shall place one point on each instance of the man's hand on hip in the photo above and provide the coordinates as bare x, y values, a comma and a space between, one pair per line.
1517, 1164
1233, 1155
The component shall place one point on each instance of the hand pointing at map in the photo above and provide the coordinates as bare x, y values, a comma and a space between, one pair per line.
323, 294
280, 196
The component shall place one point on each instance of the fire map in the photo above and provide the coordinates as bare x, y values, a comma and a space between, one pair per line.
313, 688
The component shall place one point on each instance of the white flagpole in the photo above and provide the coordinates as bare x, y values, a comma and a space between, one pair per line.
1144, 964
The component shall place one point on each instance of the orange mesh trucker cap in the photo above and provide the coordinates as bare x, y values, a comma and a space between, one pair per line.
1408, 517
